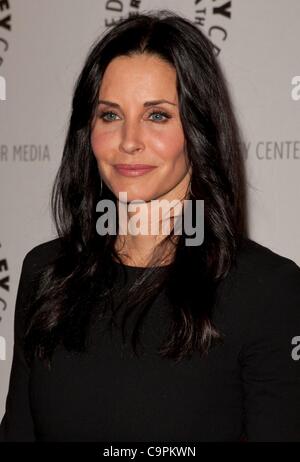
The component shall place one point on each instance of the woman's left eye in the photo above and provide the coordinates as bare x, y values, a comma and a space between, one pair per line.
160, 113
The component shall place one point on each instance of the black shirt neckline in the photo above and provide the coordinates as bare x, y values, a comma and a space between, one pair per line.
131, 268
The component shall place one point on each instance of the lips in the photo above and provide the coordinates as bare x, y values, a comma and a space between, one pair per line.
134, 169
134, 166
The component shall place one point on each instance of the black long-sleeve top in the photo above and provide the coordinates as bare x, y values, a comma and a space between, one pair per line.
249, 385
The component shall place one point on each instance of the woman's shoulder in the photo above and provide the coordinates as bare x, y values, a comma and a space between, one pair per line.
261, 285
261, 270
254, 260
42, 254
259, 259
45, 249
258, 302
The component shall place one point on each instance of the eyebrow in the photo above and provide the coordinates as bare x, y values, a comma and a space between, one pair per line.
146, 104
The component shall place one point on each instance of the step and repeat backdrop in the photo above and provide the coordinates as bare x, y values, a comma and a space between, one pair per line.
43, 44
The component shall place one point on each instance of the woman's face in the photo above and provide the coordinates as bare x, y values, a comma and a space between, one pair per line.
132, 130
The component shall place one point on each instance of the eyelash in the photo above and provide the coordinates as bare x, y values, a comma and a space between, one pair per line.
103, 114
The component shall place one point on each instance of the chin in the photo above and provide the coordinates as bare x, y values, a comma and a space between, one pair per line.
136, 198
129, 196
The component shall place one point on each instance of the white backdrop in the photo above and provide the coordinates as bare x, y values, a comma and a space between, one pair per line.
43, 44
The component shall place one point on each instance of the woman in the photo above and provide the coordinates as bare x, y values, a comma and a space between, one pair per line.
215, 323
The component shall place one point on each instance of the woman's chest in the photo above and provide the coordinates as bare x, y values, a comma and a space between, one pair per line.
108, 394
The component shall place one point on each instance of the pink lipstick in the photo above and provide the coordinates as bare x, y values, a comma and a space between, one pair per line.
133, 169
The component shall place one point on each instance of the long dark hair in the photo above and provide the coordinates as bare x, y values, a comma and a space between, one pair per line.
82, 272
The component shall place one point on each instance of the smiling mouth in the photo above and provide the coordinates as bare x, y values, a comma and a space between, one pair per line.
134, 169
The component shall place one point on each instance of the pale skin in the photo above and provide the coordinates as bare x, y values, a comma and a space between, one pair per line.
131, 133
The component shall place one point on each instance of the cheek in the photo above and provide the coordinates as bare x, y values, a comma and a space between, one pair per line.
100, 142
169, 145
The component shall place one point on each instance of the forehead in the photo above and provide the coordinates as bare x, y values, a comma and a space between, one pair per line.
139, 76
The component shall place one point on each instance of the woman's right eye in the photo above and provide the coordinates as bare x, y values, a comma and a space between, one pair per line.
102, 116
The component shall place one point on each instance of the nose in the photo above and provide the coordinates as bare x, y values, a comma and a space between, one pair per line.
131, 138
